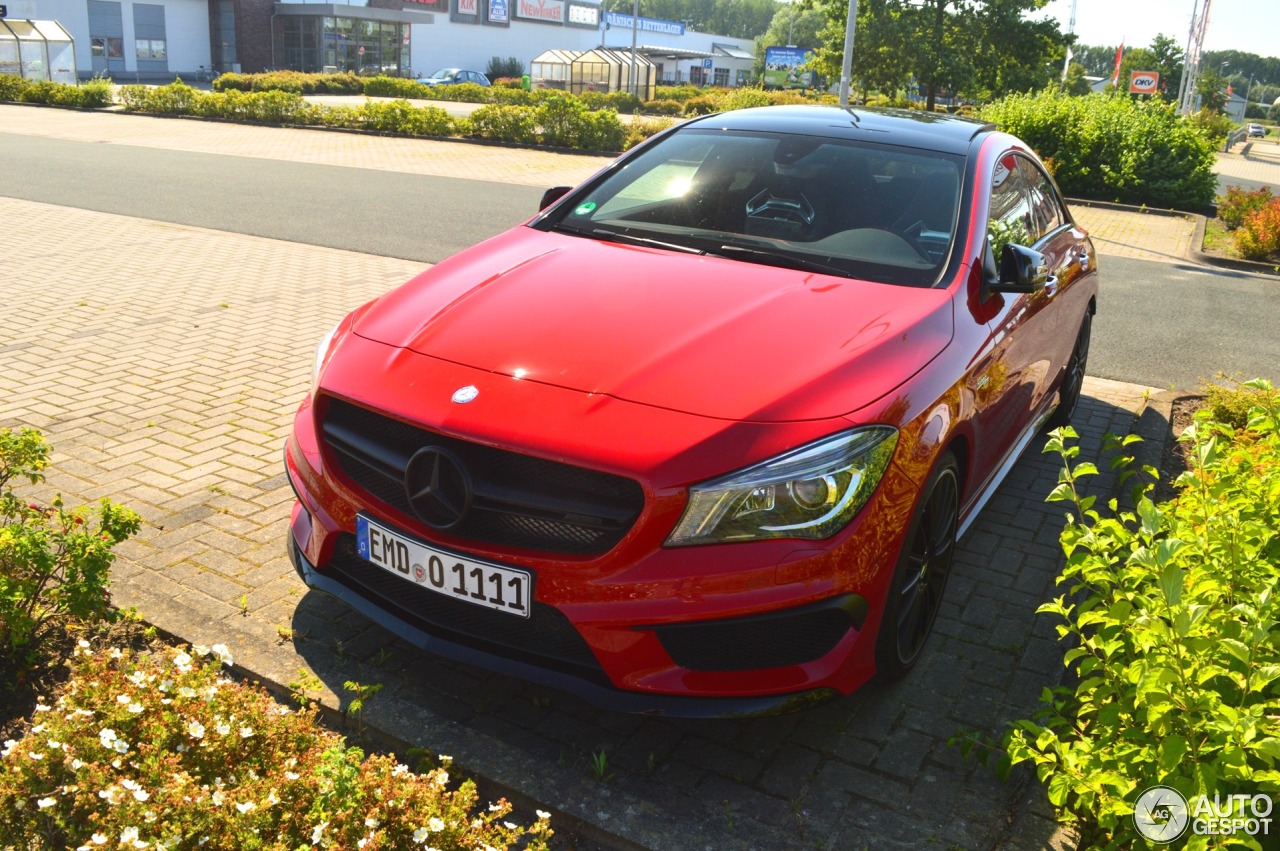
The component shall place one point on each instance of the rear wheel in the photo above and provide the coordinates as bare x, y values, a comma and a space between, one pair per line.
921, 575
1073, 378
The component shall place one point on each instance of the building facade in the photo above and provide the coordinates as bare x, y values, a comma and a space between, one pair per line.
155, 40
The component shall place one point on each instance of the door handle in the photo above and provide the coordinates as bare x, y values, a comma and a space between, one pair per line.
1084, 261
1051, 285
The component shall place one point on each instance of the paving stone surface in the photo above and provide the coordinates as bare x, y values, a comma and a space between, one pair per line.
164, 363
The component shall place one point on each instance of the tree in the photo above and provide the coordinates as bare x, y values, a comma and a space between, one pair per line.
1168, 61
1211, 86
1076, 84
976, 47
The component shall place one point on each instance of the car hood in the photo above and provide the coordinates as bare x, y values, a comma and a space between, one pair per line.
701, 335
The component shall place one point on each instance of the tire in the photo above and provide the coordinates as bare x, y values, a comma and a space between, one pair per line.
1072, 377
920, 578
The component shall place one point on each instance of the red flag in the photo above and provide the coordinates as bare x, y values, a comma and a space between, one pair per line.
1115, 78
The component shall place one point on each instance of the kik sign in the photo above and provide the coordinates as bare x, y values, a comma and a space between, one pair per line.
1144, 82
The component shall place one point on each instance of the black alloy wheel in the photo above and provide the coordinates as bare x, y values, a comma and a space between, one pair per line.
1073, 377
921, 575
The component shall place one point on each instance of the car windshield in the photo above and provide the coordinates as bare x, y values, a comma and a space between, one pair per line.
877, 212
444, 74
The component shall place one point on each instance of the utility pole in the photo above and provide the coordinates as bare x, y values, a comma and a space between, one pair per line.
846, 68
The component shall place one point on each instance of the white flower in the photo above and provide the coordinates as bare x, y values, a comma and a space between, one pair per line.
130, 784
362, 841
141, 795
186, 691
216, 797
138, 677
37, 728
109, 795
135, 708
35, 755
120, 746
77, 764
291, 775
246, 806
435, 825
123, 698
54, 744
399, 770
99, 838
223, 653
182, 661
371, 822
442, 778
420, 835
82, 644
317, 832
106, 736
129, 836
200, 650
40, 707
44, 803
116, 653
196, 730
246, 732
493, 808
272, 798
165, 685
445, 759
181, 748
543, 814
9, 744
223, 729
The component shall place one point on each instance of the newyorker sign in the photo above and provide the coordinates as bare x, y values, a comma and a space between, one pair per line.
549, 11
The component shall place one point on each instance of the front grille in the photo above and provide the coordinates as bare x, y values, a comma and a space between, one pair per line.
546, 638
774, 640
519, 500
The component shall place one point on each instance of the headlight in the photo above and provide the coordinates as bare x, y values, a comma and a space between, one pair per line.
811, 492
323, 350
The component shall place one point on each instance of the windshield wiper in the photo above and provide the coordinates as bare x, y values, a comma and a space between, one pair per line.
605, 233
776, 258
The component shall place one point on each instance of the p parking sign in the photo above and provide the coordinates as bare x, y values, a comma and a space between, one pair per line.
4, 11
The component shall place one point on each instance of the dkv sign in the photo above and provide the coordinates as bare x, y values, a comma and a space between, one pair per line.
1144, 82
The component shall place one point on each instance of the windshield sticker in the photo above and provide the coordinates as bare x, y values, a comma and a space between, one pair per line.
584, 209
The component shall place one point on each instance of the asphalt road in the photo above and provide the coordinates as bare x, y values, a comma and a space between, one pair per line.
413, 217
1160, 324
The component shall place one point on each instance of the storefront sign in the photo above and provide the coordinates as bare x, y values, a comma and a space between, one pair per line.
584, 16
434, 5
649, 25
498, 12
468, 7
549, 11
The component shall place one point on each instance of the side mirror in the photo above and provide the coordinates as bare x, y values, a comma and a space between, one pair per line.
552, 195
1022, 270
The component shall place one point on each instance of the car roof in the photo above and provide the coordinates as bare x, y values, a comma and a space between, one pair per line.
933, 131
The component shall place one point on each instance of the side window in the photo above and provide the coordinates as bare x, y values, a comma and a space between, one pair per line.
1012, 219
1044, 200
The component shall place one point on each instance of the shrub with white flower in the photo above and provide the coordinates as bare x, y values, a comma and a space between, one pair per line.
210, 763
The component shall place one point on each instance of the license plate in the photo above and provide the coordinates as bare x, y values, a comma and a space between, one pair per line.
480, 583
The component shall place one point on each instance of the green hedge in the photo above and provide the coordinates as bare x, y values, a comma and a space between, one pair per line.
93, 94
293, 81
1172, 615
1114, 148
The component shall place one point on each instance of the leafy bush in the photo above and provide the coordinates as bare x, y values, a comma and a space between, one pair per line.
1214, 125
663, 107
617, 101
297, 82
1258, 237
677, 93
745, 98
53, 561
701, 106
462, 92
176, 98
1231, 402
504, 123
395, 87
1114, 148
641, 129
1237, 204
507, 83
93, 94
402, 117
509, 67
560, 121
1172, 616
157, 749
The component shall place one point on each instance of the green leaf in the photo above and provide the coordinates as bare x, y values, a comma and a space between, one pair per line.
1172, 749
1171, 580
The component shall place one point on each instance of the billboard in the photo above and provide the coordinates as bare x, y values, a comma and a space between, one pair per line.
781, 68
1143, 82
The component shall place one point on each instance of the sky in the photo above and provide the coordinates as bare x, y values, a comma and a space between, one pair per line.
1251, 26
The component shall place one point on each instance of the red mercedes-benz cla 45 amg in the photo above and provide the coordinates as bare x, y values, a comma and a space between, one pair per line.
701, 436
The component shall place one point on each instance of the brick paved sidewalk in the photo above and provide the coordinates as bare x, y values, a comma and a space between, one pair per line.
164, 363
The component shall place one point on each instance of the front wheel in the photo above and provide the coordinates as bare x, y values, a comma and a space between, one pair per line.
1073, 377
920, 577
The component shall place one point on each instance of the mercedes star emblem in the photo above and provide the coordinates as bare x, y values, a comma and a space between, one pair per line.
463, 395
438, 487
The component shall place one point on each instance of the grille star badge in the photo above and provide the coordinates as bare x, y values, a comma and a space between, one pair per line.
463, 395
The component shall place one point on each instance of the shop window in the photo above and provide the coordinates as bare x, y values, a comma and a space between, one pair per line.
150, 48
721, 76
